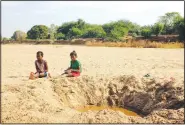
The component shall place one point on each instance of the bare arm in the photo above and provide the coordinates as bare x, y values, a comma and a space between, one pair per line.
46, 67
37, 68
68, 68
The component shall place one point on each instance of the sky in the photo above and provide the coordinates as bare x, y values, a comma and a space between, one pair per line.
22, 15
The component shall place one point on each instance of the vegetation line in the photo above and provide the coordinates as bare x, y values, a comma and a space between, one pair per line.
169, 28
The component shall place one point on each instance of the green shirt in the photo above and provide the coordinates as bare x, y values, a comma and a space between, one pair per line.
76, 65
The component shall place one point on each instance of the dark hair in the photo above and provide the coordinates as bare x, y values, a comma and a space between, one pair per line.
73, 53
40, 53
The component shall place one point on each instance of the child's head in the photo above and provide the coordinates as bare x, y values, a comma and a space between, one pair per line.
73, 55
39, 55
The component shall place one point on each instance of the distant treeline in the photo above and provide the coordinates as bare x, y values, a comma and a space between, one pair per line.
170, 23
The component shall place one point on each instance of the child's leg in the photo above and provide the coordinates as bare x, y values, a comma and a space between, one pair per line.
36, 75
44, 74
33, 75
70, 75
73, 74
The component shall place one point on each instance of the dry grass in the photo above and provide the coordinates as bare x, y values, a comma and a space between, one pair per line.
130, 43
138, 44
28, 41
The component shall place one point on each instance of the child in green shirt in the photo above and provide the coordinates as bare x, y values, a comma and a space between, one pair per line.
75, 66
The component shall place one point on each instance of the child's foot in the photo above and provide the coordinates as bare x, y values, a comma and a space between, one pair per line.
49, 75
32, 77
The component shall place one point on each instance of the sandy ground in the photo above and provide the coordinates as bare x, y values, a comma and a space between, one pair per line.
51, 100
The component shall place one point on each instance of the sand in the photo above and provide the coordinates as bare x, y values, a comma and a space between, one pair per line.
111, 76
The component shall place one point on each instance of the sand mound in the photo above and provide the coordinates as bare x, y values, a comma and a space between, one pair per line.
102, 116
54, 100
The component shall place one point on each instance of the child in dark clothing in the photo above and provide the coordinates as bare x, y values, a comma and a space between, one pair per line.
41, 67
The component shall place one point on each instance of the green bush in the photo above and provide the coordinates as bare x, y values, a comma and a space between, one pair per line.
19, 36
179, 26
116, 30
146, 33
60, 36
94, 32
38, 32
74, 33
157, 28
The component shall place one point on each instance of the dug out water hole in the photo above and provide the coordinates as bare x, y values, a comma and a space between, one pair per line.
98, 108
130, 95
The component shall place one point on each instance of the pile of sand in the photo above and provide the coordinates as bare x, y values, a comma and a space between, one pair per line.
54, 100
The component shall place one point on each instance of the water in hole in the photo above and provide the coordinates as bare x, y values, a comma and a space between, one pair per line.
98, 108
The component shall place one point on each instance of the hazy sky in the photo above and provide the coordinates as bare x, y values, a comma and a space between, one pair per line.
22, 15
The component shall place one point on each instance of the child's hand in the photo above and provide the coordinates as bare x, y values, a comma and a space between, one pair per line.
68, 71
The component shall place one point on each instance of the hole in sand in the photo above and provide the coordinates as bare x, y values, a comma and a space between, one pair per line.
98, 108
148, 100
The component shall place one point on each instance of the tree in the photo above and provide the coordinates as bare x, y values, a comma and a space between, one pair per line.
169, 18
73, 29
81, 24
38, 32
19, 35
74, 33
4, 39
116, 30
108, 27
66, 27
157, 28
52, 31
117, 33
59, 36
125, 23
146, 32
135, 29
94, 31
168, 21
179, 26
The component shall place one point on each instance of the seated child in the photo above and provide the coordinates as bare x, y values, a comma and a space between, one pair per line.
41, 67
75, 67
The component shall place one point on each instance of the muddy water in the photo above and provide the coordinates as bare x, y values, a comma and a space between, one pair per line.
98, 108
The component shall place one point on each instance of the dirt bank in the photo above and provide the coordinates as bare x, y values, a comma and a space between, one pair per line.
43, 101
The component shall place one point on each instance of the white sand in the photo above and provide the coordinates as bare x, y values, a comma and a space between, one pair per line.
18, 61
38, 99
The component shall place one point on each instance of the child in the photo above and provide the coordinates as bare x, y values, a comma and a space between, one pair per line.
75, 67
41, 67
